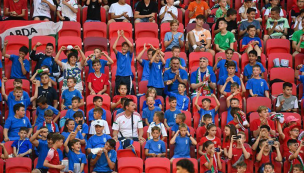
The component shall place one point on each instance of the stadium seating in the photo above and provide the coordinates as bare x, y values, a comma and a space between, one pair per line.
157, 165
69, 40
115, 26
253, 103
106, 102
16, 41
285, 74
284, 56
140, 42
43, 40
18, 164
94, 29
70, 29
136, 166
91, 43
146, 30
194, 58
122, 153
277, 46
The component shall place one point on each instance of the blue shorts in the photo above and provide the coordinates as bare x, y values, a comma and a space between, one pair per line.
146, 19
178, 156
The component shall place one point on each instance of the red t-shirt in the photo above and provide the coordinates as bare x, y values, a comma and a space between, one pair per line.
257, 123
236, 154
265, 159
239, 97
53, 158
98, 83
285, 147
16, 6
117, 97
294, 161
215, 140
201, 133
227, 144
204, 160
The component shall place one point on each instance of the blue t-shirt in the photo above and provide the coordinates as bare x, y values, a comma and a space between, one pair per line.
157, 103
202, 112
68, 95
247, 40
49, 126
43, 150
64, 60
156, 147
175, 41
49, 63
16, 71
146, 70
84, 129
193, 78
102, 163
149, 114
170, 116
229, 116
120, 110
258, 86
248, 69
14, 124
223, 69
66, 135
156, 75
124, 64
103, 63
11, 103
169, 75
22, 146
181, 100
76, 159
181, 61
25, 95
98, 141
182, 147
40, 113
302, 81
70, 113
91, 115
175, 128
228, 86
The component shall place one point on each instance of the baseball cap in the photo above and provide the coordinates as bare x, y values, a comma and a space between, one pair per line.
99, 123
290, 119
294, 126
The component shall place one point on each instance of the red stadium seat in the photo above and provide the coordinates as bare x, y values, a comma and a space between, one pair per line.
245, 60
194, 58
115, 26
285, 74
118, 47
143, 98
157, 165
69, 40
8, 147
165, 27
135, 166
44, 40
299, 59
272, 56
16, 41
253, 103
1, 134
90, 43
70, 29
1, 165
94, 29
142, 87
277, 88
180, 15
194, 161
182, 55
9, 86
106, 104
187, 19
128, 152
18, 164
85, 13
188, 120
143, 40
277, 46
147, 29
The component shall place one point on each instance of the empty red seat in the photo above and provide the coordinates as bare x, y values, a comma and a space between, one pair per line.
144, 40
194, 58
285, 74
94, 29
18, 164
194, 161
277, 46
127, 164
147, 29
85, 13
157, 165
253, 103
91, 43
142, 87
16, 41
115, 26
106, 104
70, 29
285, 56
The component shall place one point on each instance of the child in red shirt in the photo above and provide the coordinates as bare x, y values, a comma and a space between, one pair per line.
207, 119
210, 136
52, 159
266, 153
122, 89
263, 120
293, 133
294, 156
97, 82
15, 9
229, 131
264, 135
210, 160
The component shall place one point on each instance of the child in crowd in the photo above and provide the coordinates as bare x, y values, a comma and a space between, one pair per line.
273, 4
229, 78
209, 136
207, 119
124, 59
211, 158
151, 92
297, 168
97, 56
122, 90
224, 39
295, 156
251, 41
17, 83
298, 21
276, 26
206, 103
266, 155
77, 160
169, 12
229, 131
291, 132
244, 8
120, 110
67, 10
170, 114
236, 92
257, 86
42, 9
182, 99
48, 122
196, 8
263, 120
145, 62
182, 141
232, 103
97, 101
155, 147
22, 147
40, 111
148, 113
37, 75
74, 108
97, 81
15, 10
68, 94
79, 120
254, 59
287, 102
20, 64
222, 63
241, 167
264, 135
93, 14
239, 119
173, 38
250, 14
48, 91
222, 10
157, 121
98, 112
176, 50
69, 127
180, 119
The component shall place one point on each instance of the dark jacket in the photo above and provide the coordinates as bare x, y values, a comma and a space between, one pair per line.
39, 57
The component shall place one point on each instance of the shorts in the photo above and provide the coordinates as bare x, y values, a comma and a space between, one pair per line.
178, 156
146, 19
119, 20
92, 21
42, 17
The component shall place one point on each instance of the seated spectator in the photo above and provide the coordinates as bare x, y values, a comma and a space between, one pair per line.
243, 10
251, 12
287, 102
200, 38
295, 156
236, 91
93, 12
68, 128
297, 168
168, 12
233, 102
216, 4
48, 91
185, 165
42, 9
298, 21
15, 10
148, 113
273, 3
291, 132
181, 97
173, 38
225, 39
230, 20
206, 102
252, 42
145, 11
266, 155
263, 120
221, 62
76, 101
44, 70
180, 119
13, 124
257, 86
145, 63
155, 147
122, 90
207, 119
97, 82
297, 40
241, 166
230, 78
67, 10
22, 147
253, 60
98, 113
17, 83
158, 118
264, 135
97, 101
20, 64
120, 12
176, 53
296, 11
80, 120
276, 26
211, 159
198, 7
48, 122
68, 94
239, 119
209, 136
229, 131
222, 10
97, 56
170, 114
42, 107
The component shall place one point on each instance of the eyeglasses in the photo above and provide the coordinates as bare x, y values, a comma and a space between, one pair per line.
295, 130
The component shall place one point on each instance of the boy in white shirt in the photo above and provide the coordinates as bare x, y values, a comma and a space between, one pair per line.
42, 9
68, 9
120, 12
168, 12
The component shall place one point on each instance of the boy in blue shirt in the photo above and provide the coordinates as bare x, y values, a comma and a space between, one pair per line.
145, 63
17, 83
182, 141
105, 159
20, 65
182, 99
97, 55
69, 93
148, 112
206, 102
170, 114
222, 63
256, 85
78, 117
157, 64
42, 107
252, 55
230, 77
97, 101
48, 122
22, 147
75, 108
155, 147
180, 119
18, 93
252, 42
124, 59
99, 139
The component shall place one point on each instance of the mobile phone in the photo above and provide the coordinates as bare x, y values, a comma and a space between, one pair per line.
217, 150
271, 142
80, 123
237, 137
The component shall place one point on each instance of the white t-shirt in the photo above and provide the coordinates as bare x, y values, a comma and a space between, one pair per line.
42, 9
75, 72
167, 15
300, 24
106, 129
118, 9
268, 10
123, 125
163, 130
66, 11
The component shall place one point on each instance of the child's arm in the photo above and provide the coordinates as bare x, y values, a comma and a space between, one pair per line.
172, 141
83, 57
92, 92
260, 154
22, 66
230, 148
104, 90
245, 152
66, 143
162, 59
219, 161
154, 56
218, 104
138, 57
81, 103
34, 75
3, 89
114, 105
62, 104
166, 125
251, 93
29, 151
279, 155
59, 15
196, 100
297, 71
15, 151
147, 122
34, 140
57, 56
225, 152
110, 163
295, 155
216, 62
210, 163
94, 161
74, 10
127, 40
149, 154
255, 145
47, 164
200, 150
37, 84
222, 90
193, 141
116, 41
57, 117
267, 93
52, 7
5, 154
280, 131
228, 100
242, 85
82, 141
4, 50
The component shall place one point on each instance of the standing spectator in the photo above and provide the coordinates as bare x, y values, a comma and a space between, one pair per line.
230, 20
68, 10
168, 12
15, 10
120, 12
145, 11
145, 62
173, 38
196, 8
250, 21
42, 9
93, 13
225, 39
